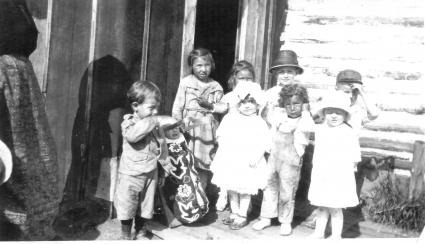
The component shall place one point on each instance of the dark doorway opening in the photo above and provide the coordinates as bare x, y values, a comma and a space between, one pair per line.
216, 26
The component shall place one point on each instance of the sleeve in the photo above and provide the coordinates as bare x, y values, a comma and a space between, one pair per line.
354, 145
136, 131
179, 101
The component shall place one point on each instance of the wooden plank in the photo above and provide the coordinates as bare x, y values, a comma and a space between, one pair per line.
400, 142
146, 30
413, 104
416, 187
164, 55
68, 58
188, 35
402, 160
398, 122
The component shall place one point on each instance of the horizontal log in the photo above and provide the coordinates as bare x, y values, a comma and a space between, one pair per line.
310, 27
408, 8
398, 122
399, 142
413, 104
381, 153
376, 69
369, 51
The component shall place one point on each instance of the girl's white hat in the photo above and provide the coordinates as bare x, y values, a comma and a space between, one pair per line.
336, 99
6, 161
244, 88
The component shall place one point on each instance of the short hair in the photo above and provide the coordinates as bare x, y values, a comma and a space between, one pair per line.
140, 90
201, 52
236, 68
290, 90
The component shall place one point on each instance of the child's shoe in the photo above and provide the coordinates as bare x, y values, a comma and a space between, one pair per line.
261, 224
285, 229
230, 219
238, 223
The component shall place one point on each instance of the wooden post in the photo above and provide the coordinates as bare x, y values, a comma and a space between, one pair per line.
416, 188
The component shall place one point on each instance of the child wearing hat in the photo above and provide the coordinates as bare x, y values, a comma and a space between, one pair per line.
362, 110
239, 165
284, 69
336, 154
290, 135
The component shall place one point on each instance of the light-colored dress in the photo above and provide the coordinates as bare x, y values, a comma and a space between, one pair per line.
333, 182
242, 140
202, 138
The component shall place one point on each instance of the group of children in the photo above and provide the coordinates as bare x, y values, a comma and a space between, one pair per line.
259, 145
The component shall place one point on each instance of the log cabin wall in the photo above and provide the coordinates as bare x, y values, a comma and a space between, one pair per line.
384, 41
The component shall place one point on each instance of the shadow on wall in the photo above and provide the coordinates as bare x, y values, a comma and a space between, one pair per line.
111, 81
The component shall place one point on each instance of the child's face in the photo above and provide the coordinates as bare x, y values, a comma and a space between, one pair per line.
173, 133
285, 75
148, 108
248, 108
244, 76
201, 68
344, 86
334, 116
294, 107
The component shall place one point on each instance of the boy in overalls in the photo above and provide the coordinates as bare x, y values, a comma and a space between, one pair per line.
290, 129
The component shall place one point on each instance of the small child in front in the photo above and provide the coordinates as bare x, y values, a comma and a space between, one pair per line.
336, 154
137, 179
239, 165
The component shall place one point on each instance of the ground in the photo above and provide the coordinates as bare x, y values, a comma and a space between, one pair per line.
90, 221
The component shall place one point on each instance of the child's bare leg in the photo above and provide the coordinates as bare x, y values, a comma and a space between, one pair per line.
337, 221
222, 200
321, 221
240, 221
234, 207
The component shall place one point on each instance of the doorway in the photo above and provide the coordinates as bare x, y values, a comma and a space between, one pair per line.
216, 30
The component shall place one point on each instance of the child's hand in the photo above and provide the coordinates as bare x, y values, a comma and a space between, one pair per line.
204, 103
168, 167
161, 181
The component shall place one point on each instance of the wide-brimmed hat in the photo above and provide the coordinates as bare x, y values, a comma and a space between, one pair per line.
286, 58
6, 161
349, 76
335, 99
250, 89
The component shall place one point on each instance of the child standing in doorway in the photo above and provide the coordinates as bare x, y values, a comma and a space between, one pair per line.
239, 165
137, 173
195, 99
290, 135
336, 154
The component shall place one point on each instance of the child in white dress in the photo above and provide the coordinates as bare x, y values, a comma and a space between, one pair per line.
336, 154
239, 164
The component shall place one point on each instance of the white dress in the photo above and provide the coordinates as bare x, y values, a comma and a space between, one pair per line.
333, 182
242, 140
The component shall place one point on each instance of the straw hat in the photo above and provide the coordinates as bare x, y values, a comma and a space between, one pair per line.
286, 58
6, 162
335, 99
349, 76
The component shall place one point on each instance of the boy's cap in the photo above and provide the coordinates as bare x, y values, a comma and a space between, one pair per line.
349, 76
6, 161
335, 99
286, 58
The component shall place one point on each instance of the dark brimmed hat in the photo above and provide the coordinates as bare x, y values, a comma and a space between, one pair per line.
349, 76
286, 58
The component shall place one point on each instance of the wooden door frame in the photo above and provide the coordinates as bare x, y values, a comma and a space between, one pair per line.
266, 24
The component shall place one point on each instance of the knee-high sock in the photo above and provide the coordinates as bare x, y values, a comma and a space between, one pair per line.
337, 221
244, 201
234, 201
321, 221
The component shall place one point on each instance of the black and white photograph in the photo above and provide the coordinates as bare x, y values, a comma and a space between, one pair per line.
223, 120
